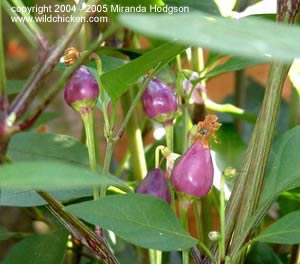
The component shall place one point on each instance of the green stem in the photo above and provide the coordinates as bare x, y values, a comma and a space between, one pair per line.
135, 140
198, 221
252, 174
184, 220
88, 122
2, 62
169, 135
222, 218
107, 162
22, 26
185, 120
197, 59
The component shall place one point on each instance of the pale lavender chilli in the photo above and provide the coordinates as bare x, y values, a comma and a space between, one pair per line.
193, 173
188, 86
159, 99
155, 184
81, 86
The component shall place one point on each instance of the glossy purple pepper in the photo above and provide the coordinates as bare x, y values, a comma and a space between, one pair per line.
159, 101
82, 90
193, 173
155, 184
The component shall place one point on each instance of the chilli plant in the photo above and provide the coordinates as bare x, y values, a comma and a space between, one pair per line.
160, 171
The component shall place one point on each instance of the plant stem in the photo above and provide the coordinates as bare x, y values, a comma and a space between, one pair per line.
106, 165
185, 119
169, 135
222, 218
2, 63
253, 170
135, 140
198, 221
184, 220
33, 26
22, 26
197, 59
79, 230
88, 122
239, 97
247, 190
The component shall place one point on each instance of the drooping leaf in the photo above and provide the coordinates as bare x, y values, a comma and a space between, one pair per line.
39, 249
28, 146
232, 64
135, 217
249, 37
118, 81
51, 176
283, 171
286, 230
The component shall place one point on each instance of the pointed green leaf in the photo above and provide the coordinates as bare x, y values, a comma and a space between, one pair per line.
51, 176
286, 230
30, 146
118, 81
39, 249
140, 219
248, 37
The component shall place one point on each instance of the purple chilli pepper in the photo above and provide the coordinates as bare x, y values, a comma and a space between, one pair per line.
155, 184
193, 173
82, 90
159, 101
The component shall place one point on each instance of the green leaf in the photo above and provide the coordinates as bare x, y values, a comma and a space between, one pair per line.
118, 81
28, 146
283, 171
249, 37
286, 230
232, 64
14, 86
51, 176
207, 6
140, 219
108, 64
37, 249
261, 253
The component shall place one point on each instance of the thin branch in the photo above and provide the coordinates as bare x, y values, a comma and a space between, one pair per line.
2, 62
33, 26
79, 230
22, 26
48, 62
